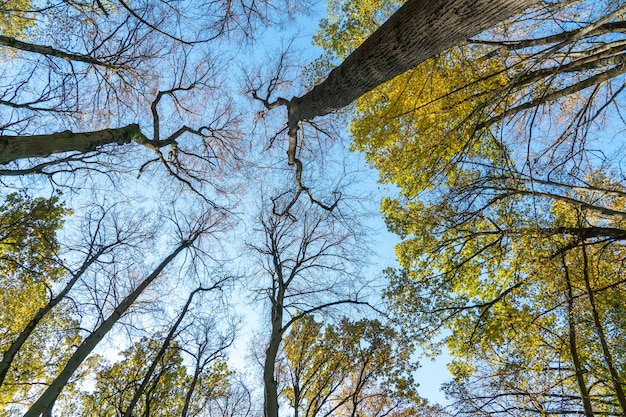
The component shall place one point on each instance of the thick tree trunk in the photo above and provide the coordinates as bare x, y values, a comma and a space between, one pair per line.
87, 346
271, 353
50, 51
13, 148
419, 30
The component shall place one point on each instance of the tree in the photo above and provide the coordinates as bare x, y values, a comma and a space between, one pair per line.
502, 200
28, 259
399, 45
87, 345
207, 353
167, 389
116, 383
151, 80
549, 346
114, 72
308, 259
353, 368
415, 33
105, 262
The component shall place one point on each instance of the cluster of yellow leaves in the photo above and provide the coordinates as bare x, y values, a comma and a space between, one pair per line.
14, 17
522, 343
331, 367
412, 128
30, 268
117, 383
27, 249
480, 252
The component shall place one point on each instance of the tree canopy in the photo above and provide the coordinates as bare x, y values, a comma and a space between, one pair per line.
147, 200
506, 156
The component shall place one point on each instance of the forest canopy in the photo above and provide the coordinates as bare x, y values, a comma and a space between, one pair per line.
507, 156
179, 237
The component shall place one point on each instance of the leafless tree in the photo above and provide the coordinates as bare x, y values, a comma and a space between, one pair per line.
312, 266
188, 239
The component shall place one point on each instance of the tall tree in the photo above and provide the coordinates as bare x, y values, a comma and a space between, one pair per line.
206, 354
494, 148
94, 250
152, 80
116, 383
166, 391
311, 267
139, 72
540, 349
30, 266
416, 32
47, 399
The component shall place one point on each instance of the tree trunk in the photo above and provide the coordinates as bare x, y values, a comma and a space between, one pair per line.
191, 390
419, 30
91, 341
578, 369
13, 148
160, 354
50, 51
608, 357
271, 353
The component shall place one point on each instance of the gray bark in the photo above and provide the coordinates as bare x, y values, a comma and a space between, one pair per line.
50, 51
13, 148
271, 353
91, 341
419, 30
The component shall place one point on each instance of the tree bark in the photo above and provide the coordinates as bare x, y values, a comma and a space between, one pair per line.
271, 353
13, 148
419, 30
91, 341
50, 51
578, 369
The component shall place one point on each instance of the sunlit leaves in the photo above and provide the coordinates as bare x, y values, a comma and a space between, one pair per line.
14, 19
28, 247
500, 195
354, 366
166, 390
30, 269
